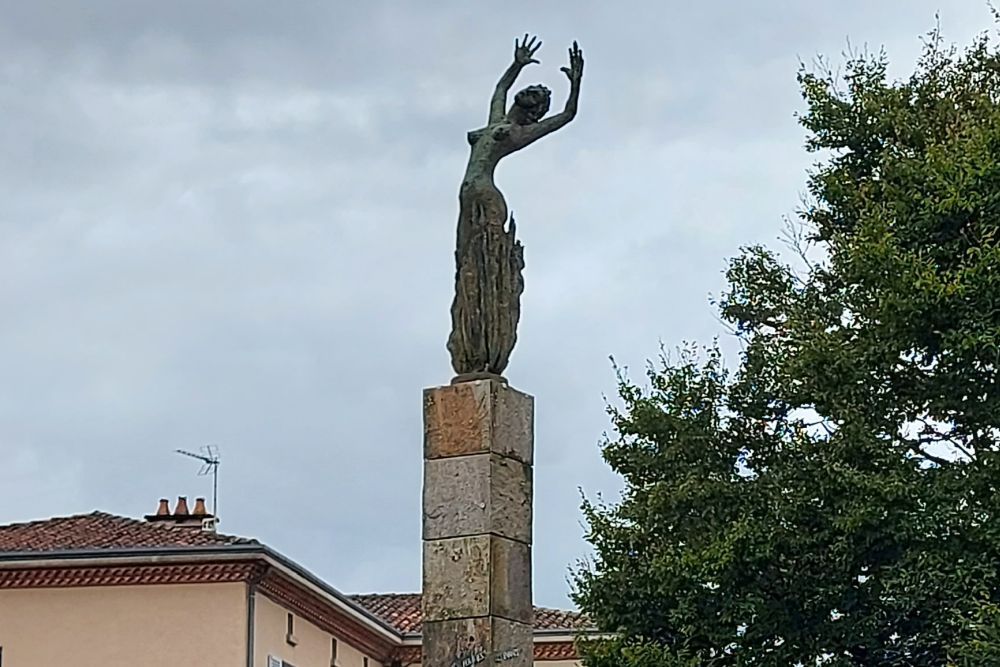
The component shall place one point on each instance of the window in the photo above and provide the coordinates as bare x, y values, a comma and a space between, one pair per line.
290, 634
333, 652
366, 662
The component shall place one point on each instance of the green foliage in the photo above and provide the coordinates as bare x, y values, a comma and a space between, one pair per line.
834, 497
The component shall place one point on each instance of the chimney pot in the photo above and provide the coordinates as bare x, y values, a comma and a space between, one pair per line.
164, 508
182, 506
199, 507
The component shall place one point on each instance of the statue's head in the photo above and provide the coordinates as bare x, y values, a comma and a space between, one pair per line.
531, 104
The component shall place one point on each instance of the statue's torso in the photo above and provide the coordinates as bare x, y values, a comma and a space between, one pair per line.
488, 146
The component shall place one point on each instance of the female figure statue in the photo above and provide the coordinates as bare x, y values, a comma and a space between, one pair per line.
488, 257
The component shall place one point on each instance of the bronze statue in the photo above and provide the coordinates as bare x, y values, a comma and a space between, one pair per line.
488, 257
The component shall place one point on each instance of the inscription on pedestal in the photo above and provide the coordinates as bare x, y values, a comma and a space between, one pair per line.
477, 641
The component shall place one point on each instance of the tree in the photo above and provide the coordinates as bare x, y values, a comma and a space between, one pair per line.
834, 497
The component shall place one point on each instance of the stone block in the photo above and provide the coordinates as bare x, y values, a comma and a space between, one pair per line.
457, 419
484, 575
510, 512
477, 417
456, 580
472, 641
513, 423
477, 494
513, 643
453, 643
457, 496
510, 580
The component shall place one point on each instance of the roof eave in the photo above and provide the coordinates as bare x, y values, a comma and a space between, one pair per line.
20, 559
10, 559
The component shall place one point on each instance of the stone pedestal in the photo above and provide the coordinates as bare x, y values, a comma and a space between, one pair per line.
478, 447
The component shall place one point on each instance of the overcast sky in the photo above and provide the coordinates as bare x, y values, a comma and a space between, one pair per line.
233, 222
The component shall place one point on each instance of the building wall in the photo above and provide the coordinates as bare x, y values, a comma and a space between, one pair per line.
313, 647
125, 626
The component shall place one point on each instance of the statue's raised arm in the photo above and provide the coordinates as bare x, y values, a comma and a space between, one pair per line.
549, 125
524, 55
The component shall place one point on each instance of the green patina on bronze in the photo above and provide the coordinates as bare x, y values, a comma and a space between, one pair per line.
488, 257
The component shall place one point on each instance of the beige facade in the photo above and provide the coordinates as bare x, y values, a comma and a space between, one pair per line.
312, 647
125, 626
163, 626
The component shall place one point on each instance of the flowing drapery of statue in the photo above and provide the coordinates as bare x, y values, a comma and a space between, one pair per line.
488, 257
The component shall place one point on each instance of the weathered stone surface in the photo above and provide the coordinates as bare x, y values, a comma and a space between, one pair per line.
456, 581
510, 580
472, 641
482, 493
459, 641
476, 417
477, 526
510, 499
513, 644
457, 494
513, 426
477, 576
457, 419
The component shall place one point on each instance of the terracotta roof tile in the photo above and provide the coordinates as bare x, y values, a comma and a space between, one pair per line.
555, 651
99, 530
402, 611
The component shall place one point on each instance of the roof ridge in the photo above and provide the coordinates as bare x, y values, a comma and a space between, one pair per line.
559, 609
103, 530
34, 522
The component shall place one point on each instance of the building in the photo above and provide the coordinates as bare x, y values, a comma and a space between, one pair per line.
104, 590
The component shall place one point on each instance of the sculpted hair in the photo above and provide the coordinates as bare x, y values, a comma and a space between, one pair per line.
535, 100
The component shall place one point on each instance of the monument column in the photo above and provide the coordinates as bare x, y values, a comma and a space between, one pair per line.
478, 431
477, 524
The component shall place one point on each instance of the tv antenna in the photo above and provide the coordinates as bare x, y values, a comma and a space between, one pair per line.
210, 460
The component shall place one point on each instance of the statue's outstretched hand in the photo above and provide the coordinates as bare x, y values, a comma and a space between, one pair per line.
524, 50
575, 70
